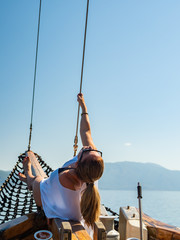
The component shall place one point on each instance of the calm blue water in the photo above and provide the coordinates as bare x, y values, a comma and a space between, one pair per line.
160, 205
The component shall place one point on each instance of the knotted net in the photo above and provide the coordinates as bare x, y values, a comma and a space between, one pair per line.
15, 198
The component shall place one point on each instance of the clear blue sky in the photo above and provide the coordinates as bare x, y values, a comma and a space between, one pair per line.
131, 79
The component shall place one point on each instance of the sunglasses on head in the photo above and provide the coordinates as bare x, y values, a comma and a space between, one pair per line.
89, 150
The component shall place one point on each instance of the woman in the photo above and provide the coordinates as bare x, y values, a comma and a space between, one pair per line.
69, 193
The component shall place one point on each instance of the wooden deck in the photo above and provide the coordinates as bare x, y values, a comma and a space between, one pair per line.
25, 227
160, 231
71, 230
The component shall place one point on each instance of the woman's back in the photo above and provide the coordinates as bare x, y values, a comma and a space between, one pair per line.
59, 201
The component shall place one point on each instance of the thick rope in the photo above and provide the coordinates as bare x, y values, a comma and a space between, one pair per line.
82, 70
34, 84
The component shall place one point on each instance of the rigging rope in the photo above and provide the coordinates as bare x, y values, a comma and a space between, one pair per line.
34, 84
82, 70
15, 198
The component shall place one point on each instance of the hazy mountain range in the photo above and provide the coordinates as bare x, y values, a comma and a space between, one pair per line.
126, 175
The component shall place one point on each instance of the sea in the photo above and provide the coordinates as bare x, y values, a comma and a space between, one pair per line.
160, 205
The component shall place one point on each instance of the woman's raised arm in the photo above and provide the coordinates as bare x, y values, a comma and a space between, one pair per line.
85, 130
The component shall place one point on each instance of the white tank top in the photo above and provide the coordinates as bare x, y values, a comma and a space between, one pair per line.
58, 201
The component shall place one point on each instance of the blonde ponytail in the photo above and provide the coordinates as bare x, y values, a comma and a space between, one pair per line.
90, 170
90, 204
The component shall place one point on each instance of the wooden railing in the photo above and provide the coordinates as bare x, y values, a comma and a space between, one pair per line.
23, 227
70, 230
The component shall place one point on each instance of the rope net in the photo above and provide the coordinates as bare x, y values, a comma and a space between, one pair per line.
15, 198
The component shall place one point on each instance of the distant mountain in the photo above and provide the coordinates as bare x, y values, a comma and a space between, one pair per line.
126, 175
3, 176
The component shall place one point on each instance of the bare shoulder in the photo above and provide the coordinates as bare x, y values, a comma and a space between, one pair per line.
66, 181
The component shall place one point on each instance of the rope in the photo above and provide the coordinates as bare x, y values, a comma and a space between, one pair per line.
82, 70
116, 221
34, 84
111, 211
